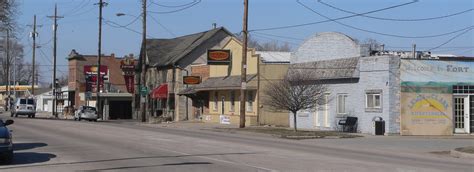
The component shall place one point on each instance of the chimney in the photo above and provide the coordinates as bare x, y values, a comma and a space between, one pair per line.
214, 25
112, 55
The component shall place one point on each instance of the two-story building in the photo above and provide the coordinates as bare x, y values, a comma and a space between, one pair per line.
168, 60
116, 102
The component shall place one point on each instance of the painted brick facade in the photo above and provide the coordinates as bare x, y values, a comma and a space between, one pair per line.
380, 73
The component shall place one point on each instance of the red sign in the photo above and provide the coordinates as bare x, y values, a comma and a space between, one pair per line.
90, 73
130, 83
128, 71
92, 70
218, 56
191, 80
127, 64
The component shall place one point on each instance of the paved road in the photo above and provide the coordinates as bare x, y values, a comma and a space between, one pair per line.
61, 145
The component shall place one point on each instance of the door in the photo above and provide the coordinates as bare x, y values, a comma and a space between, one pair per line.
471, 111
461, 114
223, 102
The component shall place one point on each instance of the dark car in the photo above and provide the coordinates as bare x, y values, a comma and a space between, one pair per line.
6, 145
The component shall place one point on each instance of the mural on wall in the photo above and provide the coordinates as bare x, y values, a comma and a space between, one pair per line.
426, 94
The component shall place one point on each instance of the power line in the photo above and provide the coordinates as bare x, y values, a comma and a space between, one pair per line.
178, 10
449, 40
173, 6
395, 19
133, 21
116, 25
384, 34
162, 26
80, 6
340, 18
272, 39
284, 37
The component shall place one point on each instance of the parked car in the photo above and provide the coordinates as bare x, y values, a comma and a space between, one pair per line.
87, 113
24, 106
6, 145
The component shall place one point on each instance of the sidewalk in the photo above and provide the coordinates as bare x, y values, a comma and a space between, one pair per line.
49, 115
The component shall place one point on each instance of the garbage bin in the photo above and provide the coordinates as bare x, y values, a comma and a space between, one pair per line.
379, 126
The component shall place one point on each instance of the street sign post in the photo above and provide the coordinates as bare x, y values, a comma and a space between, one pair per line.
144, 90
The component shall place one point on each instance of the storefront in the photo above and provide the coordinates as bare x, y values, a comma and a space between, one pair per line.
437, 97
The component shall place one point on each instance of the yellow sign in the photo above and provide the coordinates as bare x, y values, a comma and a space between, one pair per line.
426, 114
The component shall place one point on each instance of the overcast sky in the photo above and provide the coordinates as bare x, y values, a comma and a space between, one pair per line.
79, 27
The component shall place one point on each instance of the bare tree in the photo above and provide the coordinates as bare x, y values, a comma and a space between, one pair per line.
8, 14
274, 46
16, 63
298, 90
372, 44
267, 46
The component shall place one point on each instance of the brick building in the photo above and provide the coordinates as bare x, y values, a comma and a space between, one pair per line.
115, 101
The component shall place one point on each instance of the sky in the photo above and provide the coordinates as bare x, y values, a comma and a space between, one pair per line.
397, 28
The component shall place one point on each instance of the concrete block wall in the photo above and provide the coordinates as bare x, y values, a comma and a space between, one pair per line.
395, 93
375, 74
326, 46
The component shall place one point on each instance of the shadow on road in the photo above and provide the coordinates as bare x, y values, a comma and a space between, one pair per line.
147, 166
47, 157
20, 158
26, 146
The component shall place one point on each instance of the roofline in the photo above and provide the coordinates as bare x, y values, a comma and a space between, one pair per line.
174, 63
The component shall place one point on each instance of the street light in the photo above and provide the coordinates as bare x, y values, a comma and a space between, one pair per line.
120, 14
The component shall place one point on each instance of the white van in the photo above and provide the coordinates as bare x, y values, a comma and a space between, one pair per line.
24, 106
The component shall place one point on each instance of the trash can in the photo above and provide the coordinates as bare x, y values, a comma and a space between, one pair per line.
379, 126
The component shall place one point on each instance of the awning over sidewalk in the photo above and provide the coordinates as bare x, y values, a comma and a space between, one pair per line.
221, 83
160, 92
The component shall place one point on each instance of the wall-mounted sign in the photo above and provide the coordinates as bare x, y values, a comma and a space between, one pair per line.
127, 64
90, 73
128, 71
92, 70
218, 56
191, 80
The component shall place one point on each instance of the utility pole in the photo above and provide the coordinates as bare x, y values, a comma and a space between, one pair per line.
244, 67
99, 56
33, 54
55, 29
8, 69
143, 65
414, 51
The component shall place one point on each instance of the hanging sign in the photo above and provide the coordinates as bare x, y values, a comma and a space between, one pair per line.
128, 71
191, 80
218, 56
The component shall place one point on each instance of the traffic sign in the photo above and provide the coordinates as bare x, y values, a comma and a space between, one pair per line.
144, 90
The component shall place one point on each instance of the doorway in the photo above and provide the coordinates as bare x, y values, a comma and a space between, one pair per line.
223, 103
463, 113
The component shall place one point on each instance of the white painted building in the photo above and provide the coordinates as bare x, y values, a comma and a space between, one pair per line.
44, 101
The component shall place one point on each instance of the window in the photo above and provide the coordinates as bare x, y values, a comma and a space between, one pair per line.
216, 101
232, 101
373, 100
250, 101
341, 103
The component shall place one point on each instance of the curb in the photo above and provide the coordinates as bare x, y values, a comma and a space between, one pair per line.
459, 154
